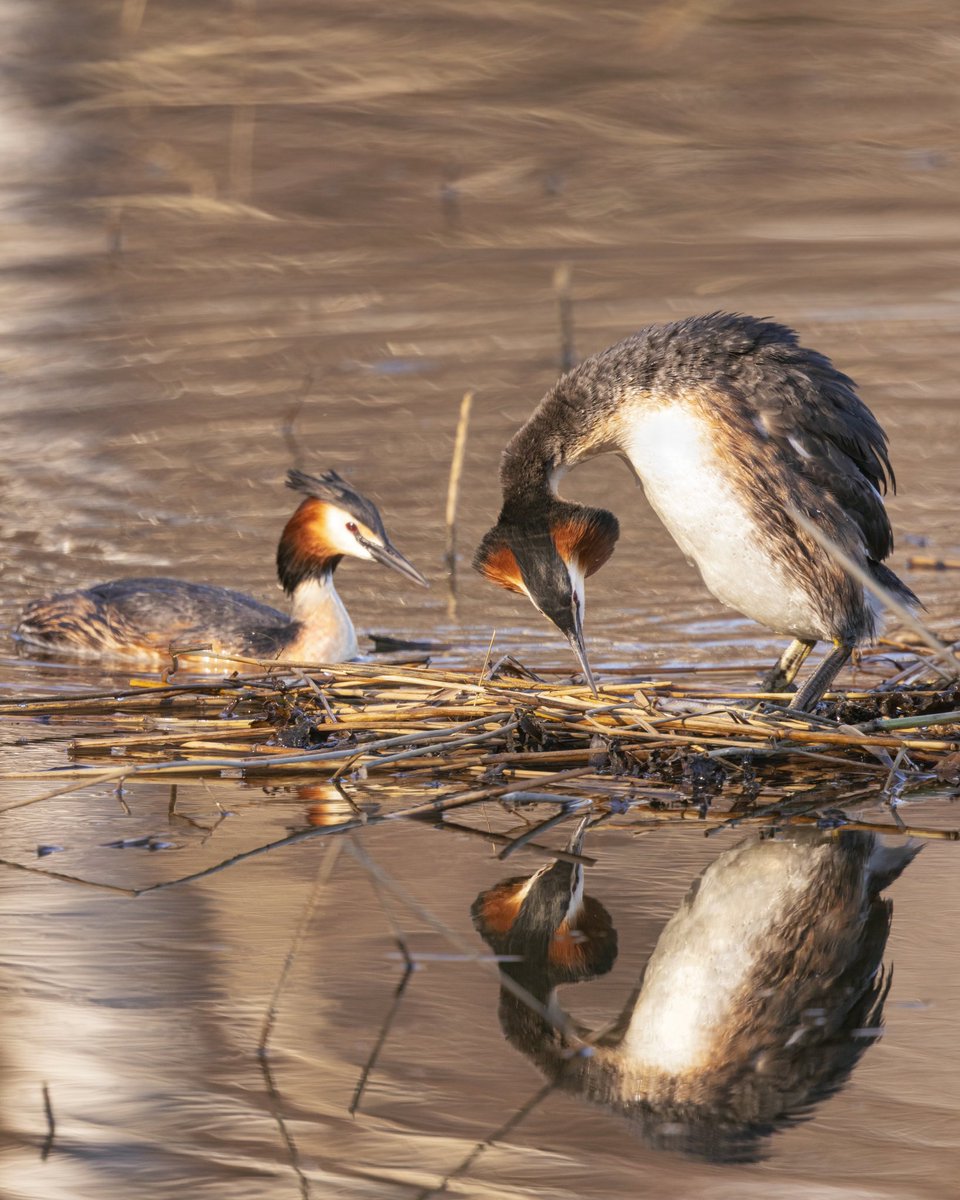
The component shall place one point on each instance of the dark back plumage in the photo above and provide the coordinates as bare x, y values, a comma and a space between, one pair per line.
149, 616
756, 370
774, 435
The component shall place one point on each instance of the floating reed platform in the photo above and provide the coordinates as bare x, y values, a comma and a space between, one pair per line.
673, 747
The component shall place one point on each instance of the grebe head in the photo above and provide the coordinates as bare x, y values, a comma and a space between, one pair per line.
547, 921
333, 520
546, 550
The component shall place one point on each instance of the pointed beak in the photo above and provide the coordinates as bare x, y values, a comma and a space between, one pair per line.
391, 557
575, 638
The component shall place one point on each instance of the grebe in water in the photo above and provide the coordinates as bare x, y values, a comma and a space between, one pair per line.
730, 425
144, 618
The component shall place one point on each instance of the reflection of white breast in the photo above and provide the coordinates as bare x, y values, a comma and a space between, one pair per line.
689, 487
710, 948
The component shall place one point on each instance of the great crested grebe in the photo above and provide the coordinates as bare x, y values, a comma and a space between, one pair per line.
763, 990
730, 425
145, 618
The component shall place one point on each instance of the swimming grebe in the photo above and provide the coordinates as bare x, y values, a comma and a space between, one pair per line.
763, 990
729, 424
144, 618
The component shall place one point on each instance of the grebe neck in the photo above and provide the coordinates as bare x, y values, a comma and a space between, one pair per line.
569, 425
312, 595
324, 631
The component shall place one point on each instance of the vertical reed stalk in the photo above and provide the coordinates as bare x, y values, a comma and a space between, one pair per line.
561, 285
453, 497
131, 17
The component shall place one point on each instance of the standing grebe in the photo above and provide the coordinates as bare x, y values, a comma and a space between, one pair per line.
729, 424
144, 618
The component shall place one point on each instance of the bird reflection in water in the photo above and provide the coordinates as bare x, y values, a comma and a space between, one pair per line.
762, 993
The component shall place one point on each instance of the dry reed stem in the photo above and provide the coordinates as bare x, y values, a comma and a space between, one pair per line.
321, 879
712, 823
502, 839
647, 820
534, 831
93, 779
51, 1124
926, 562
453, 497
497, 1135
131, 17
561, 286
410, 716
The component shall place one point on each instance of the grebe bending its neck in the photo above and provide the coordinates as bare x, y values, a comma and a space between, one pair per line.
763, 990
731, 426
144, 618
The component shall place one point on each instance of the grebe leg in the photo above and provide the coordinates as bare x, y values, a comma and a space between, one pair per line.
780, 677
812, 691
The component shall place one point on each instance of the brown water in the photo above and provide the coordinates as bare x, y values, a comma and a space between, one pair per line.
233, 226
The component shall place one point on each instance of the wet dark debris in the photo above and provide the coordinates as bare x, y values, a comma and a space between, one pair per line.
493, 776
695, 773
150, 841
947, 769
531, 734
890, 705
750, 782
294, 724
611, 759
706, 777
301, 733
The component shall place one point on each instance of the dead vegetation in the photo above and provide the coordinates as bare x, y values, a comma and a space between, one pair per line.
421, 742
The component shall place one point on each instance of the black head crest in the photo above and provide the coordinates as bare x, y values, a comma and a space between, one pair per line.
332, 489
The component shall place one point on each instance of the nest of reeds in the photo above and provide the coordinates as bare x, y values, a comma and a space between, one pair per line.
645, 751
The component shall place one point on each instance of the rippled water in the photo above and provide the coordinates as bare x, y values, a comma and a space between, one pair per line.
237, 234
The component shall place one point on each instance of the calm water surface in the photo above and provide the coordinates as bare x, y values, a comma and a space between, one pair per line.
242, 234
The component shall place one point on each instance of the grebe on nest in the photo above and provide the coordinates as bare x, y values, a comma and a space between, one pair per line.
730, 425
143, 618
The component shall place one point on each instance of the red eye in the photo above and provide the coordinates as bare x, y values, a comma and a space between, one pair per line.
352, 528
